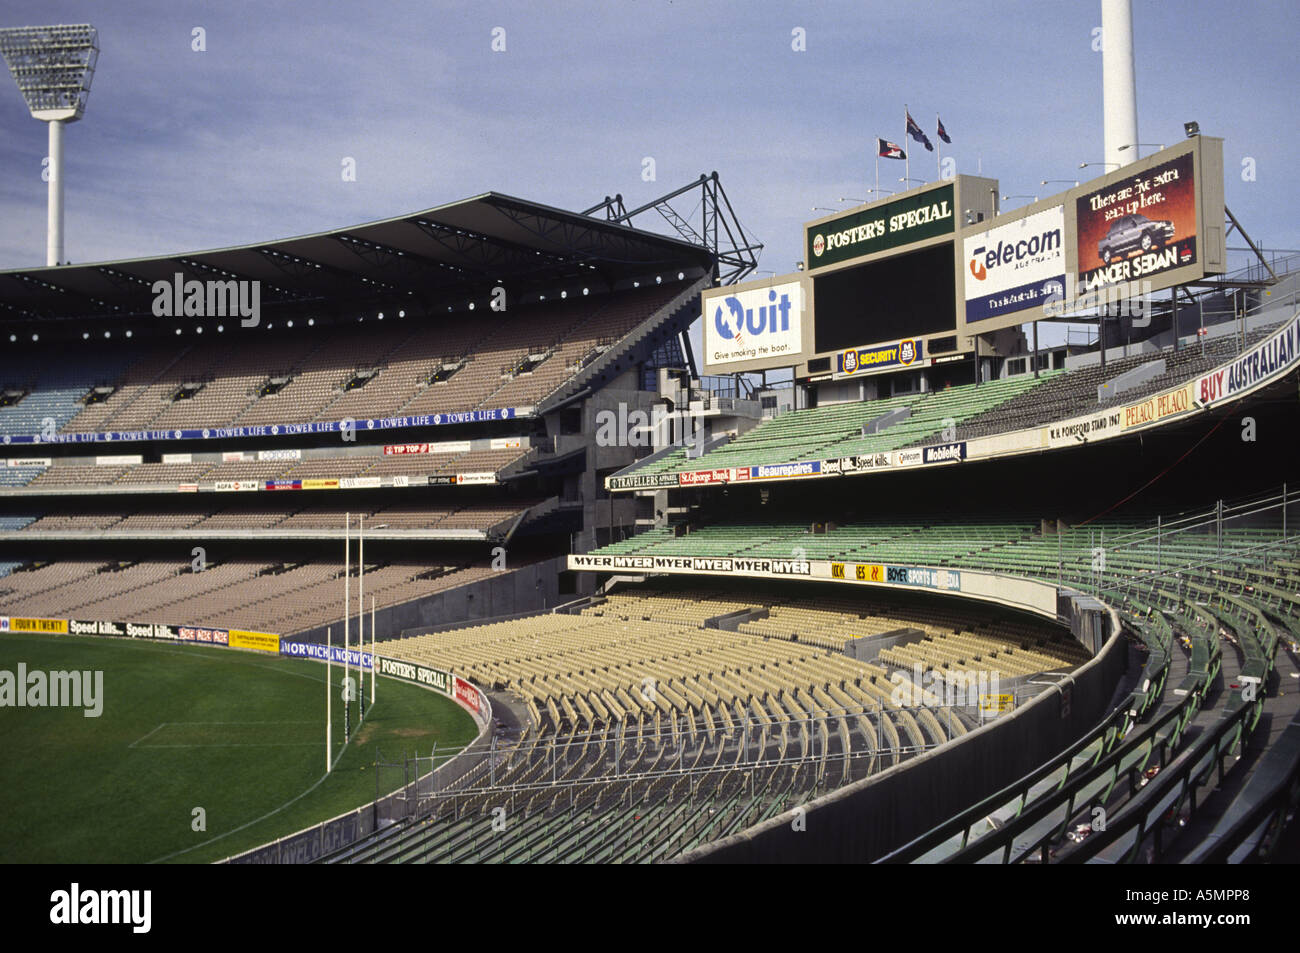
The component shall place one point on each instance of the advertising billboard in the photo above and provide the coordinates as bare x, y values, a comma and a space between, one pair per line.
863, 360
891, 225
1014, 266
1138, 226
755, 324
258, 641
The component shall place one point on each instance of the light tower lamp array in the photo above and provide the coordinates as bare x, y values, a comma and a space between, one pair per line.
53, 67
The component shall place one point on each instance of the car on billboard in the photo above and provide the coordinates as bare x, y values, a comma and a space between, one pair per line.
1129, 232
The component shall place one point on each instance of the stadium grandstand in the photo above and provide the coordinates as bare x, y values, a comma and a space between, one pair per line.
643, 714
874, 579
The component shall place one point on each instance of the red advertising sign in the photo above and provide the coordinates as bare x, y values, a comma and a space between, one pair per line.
467, 695
1138, 227
699, 477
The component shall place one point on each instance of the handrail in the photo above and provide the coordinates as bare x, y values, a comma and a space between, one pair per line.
1174, 783
1030, 811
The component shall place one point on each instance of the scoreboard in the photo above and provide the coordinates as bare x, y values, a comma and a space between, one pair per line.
913, 280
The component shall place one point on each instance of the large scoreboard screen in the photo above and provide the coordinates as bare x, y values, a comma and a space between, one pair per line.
904, 296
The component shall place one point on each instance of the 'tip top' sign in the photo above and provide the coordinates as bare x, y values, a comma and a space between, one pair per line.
756, 324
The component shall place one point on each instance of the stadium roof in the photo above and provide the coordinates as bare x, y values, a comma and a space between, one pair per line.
426, 258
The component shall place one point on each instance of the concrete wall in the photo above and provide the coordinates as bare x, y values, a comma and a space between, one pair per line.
506, 593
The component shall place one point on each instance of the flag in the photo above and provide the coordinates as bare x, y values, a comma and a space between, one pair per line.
915, 132
943, 133
889, 150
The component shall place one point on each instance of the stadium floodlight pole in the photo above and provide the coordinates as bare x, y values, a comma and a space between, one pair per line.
1118, 78
53, 67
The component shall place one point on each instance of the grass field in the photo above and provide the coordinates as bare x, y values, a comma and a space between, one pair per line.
235, 733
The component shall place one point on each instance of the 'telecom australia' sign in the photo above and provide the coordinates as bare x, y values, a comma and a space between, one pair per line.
1016, 266
753, 325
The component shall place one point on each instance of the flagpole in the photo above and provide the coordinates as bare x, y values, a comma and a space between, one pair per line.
907, 154
373, 663
876, 193
938, 149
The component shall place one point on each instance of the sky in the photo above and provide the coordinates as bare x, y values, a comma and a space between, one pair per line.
245, 140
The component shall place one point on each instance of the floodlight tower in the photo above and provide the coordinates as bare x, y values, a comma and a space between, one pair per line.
53, 66
1118, 82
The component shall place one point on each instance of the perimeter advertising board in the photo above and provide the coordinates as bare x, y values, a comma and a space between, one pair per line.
760, 326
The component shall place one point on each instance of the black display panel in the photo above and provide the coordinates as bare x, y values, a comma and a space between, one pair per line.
887, 300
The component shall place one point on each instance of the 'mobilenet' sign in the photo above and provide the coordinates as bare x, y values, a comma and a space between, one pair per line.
892, 225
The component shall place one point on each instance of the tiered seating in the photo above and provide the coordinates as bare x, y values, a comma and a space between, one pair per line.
18, 476
54, 384
249, 594
727, 729
320, 379
836, 430
1075, 393
79, 476
220, 381
645, 654
165, 473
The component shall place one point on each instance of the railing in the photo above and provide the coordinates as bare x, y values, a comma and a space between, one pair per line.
1266, 513
561, 765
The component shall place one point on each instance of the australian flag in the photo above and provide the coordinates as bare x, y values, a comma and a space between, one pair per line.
943, 133
915, 132
889, 150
